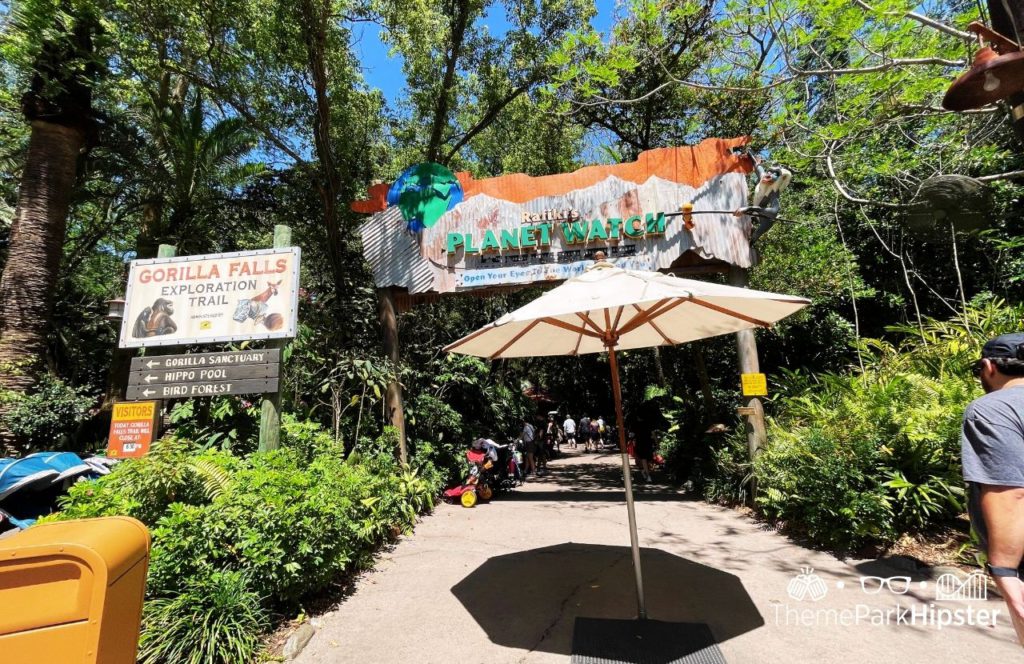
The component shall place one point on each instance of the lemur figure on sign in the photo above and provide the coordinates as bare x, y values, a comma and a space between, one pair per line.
771, 182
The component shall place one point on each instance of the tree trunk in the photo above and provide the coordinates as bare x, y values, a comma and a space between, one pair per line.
37, 239
316, 16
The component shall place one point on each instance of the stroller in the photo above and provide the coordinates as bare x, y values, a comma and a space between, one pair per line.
493, 468
507, 472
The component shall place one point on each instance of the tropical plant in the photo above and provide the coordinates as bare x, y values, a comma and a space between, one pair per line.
211, 620
48, 416
191, 158
871, 455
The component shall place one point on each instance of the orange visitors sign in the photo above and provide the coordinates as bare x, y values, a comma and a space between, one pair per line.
131, 428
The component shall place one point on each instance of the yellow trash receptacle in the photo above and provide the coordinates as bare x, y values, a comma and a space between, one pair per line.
71, 592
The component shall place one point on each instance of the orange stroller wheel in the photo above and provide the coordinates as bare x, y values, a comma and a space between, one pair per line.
485, 491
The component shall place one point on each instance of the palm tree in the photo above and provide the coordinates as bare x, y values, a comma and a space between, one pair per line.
190, 161
58, 107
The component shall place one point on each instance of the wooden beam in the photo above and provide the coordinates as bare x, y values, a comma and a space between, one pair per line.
730, 312
618, 317
569, 326
657, 329
592, 324
455, 344
648, 315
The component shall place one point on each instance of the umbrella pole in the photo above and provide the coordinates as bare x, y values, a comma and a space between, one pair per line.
627, 476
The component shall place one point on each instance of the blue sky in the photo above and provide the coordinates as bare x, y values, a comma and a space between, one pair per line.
385, 72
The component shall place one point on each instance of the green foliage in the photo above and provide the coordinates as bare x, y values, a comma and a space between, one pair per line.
728, 474
227, 423
212, 620
145, 488
263, 531
874, 454
48, 417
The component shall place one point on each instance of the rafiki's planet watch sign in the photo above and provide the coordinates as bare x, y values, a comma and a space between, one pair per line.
434, 231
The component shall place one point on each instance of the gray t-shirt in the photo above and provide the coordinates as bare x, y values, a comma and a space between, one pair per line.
992, 447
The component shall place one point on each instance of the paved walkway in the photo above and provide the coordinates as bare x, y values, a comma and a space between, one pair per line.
504, 582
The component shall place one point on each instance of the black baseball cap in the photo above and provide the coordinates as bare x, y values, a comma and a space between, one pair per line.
1005, 346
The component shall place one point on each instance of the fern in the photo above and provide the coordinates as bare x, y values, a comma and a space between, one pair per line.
215, 480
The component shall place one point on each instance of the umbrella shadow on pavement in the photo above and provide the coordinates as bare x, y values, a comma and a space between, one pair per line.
530, 600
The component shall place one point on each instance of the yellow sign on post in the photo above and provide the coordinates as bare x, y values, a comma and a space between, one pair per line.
132, 427
754, 385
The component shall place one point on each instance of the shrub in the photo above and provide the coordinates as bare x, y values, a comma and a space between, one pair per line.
291, 529
266, 531
144, 488
824, 487
874, 454
728, 479
213, 620
47, 417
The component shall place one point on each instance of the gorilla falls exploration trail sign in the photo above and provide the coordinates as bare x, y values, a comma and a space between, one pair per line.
437, 232
212, 298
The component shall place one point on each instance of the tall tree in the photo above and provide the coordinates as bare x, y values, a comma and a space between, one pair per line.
58, 45
469, 62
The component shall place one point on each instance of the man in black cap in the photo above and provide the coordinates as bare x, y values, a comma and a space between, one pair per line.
992, 446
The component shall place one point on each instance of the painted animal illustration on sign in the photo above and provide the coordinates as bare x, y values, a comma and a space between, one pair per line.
155, 320
255, 308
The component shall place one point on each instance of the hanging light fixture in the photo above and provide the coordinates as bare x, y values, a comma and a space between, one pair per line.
115, 310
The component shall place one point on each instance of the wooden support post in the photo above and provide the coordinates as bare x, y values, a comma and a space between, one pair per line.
393, 398
270, 416
746, 347
162, 251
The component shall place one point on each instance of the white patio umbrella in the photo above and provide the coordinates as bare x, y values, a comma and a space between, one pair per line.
609, 309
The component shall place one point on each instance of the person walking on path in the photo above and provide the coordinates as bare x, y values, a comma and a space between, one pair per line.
569, 427
553, 434
600, 431
992, 447
585, 432
529, 437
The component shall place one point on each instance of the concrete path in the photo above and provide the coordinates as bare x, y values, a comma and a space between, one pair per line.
505, 581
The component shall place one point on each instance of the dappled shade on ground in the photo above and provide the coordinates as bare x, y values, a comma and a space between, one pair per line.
519, 598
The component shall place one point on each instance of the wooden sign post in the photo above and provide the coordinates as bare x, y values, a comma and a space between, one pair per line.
270, 415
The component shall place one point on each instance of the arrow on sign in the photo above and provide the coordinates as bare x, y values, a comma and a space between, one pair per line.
150, 378
148, 392
151, 364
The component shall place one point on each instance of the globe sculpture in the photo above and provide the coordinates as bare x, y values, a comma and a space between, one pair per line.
424, 192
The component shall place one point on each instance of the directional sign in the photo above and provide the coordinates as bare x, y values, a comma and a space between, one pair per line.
202, 389
195, 360
204, 374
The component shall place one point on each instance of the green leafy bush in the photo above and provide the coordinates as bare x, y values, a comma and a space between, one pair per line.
47, 417
213, 620
144, 488
874, 454
264, 531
